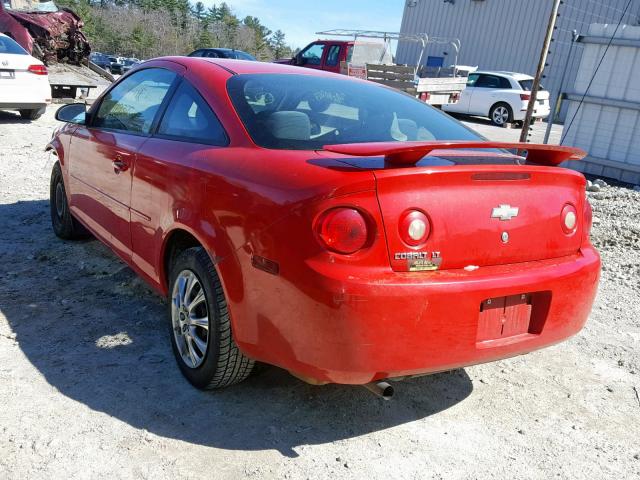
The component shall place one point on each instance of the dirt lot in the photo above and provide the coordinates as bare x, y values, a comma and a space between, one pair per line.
89, 387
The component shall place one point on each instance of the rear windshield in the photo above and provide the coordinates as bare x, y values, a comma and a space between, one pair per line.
527, 85
304, 112
8, 45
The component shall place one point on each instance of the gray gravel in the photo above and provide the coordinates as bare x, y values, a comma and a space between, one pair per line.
89, 388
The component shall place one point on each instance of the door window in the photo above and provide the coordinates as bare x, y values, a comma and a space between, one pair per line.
189, 118
313, 54
333, 57
132, 105
488, 81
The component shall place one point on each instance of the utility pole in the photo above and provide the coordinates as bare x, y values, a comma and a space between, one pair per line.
543, 61
555, 111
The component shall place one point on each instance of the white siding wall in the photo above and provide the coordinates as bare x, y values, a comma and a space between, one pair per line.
508, 34
608, 130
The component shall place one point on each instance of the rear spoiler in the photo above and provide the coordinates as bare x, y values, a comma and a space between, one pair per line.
409, 153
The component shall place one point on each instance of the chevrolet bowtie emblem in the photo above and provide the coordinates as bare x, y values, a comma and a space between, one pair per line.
505, 212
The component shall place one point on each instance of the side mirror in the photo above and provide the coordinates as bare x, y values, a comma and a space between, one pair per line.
299, 60
72, 113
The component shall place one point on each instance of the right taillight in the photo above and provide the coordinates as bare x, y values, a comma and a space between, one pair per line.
414, 228
569, 219
588, 221
342, 230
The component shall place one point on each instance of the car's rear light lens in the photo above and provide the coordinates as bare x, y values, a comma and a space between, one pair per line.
38, 69
414, 228
343, 230
588, 220
525, 97
454, 97
569, 218
425, 96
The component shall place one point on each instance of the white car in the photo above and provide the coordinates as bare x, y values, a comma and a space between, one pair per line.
501, 96
24, 81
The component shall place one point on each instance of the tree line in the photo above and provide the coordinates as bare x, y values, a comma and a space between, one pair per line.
152, 28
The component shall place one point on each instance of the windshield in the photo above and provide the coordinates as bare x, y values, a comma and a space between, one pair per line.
305, 112
30, 5
8, 45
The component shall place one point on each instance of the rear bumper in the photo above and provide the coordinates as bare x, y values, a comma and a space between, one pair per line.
541, 111
345, 328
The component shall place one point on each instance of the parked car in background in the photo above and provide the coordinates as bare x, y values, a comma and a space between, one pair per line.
501, 96
223, 53
327, 225
129, 63
116, 67
101, 60
24, 81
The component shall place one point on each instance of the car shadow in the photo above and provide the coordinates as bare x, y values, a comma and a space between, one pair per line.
100, 337
11, 117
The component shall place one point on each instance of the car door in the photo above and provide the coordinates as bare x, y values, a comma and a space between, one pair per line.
332, 58
103, 153
485, 94
166, 178
462, 105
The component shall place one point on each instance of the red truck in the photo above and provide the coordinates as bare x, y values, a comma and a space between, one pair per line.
323, 55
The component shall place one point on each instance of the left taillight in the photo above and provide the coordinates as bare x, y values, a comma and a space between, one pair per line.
38, 69
525, 97
342, 230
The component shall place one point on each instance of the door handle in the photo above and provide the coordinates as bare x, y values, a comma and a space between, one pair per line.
119, 165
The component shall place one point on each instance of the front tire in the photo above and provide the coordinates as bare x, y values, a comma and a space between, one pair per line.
501, 114
64, 225
200, 326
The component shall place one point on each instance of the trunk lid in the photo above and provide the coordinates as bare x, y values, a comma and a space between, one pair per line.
484, 208
480, 216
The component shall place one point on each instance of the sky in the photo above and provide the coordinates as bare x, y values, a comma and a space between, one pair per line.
299, 20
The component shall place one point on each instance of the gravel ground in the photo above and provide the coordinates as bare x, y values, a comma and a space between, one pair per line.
89, 388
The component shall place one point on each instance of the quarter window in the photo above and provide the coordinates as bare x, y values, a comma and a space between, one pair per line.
133, 104
188, 117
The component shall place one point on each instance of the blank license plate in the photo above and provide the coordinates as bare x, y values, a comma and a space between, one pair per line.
504, 317
7, 74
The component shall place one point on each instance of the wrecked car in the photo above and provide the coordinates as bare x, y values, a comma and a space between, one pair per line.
47, 32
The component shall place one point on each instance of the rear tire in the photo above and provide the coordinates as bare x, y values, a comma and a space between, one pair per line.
64, 225
501, 114
32, 114
200, 325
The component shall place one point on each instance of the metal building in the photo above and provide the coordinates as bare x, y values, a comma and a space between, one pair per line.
508, 34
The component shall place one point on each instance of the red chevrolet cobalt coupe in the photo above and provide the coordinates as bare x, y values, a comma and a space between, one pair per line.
339, 229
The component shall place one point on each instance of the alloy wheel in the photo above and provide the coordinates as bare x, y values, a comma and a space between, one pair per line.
501, 115
190, 318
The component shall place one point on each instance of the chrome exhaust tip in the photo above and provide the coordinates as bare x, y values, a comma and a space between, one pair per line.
380, 389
